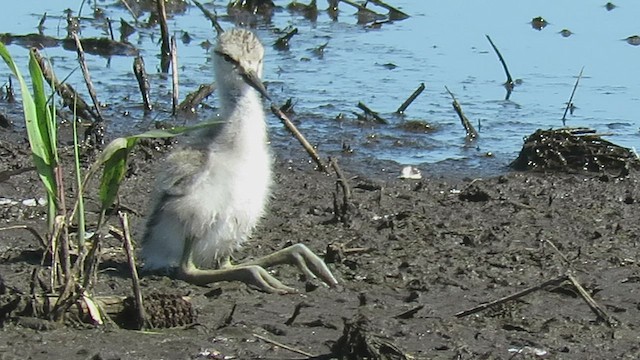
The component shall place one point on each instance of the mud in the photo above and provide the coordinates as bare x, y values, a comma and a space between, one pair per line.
409, 256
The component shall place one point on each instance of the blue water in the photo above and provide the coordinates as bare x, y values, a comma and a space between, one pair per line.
441, 44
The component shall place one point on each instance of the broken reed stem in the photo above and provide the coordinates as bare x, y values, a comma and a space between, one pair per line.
110, 29
410, 99
509, 85
472, 134
86, 75
68, 94
303, 141
212, 17
133, 15
135, 281
394, 13
286, 347
560, 279
143, 81
165, 47
372, 113
342, 180
597, 309
570, 102
174, 76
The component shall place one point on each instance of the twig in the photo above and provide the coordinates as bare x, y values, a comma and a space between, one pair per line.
597, 309
472, 134
371, 113
410, 99
165, 48
143, 81
341, 179
33, 231
509, 84
212, 17
517, 295
570, 103
303, 141
394, 13
174, 76
69, 95
296, 312
558, 251
192, 100
133, 15
86, 75
286, 347
135, 282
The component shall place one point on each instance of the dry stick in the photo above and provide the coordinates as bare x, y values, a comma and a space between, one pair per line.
394, 13
174, 75
303, 141
564, 116
360, 7
517, 295
341, 179
597, 309
66, 91
509, 85
165, 48
286, 347
472, 134
372, 113
192, 100
86, 75
135, 282
133, 15
143, 81
33, 232
110, 29
212, 17
410, 99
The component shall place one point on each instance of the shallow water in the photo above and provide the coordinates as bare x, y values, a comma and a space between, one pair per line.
441, 44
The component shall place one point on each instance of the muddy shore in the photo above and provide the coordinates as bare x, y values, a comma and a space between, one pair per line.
412, 254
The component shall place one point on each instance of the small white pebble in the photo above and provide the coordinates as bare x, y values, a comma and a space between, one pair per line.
410, 172
42, 201
5, 201
29, 202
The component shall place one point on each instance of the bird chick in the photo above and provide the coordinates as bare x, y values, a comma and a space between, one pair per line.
213, 189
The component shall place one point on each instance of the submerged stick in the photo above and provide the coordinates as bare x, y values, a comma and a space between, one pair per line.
570, 103
212, 17
472, 134
509, 84
303, 141
174, 76
371, 113
143, 81
192, 100
165, 47
410, 99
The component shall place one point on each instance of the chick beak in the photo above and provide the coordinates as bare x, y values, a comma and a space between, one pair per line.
253, 80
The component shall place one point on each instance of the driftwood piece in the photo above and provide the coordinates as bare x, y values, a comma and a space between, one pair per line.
509, 84
192, 100
143, 81
472, 134
410, 99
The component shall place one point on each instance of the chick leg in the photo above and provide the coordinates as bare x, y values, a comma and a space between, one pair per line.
304, 259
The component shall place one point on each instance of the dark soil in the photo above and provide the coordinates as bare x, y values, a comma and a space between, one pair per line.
411, 254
